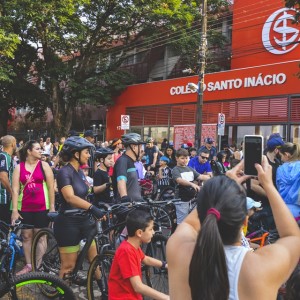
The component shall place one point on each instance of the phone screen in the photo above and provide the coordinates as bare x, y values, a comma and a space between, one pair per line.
253, 150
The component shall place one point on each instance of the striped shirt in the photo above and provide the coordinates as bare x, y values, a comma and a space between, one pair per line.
6, 165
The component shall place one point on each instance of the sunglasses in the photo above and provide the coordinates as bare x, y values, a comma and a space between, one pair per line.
204, 157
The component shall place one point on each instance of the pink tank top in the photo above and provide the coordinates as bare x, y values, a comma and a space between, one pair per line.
35, 194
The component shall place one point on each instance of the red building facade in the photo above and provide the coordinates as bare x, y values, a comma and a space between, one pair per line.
260, 95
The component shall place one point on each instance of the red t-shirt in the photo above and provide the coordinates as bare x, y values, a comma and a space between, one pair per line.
126, 264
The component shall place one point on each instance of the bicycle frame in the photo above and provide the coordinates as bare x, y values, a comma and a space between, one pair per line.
97, 230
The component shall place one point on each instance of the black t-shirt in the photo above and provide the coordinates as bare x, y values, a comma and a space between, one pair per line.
107, 196
275, 166
124, 169
149, 153
67, 175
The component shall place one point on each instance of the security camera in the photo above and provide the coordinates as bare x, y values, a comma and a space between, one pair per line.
187, 71
192, 86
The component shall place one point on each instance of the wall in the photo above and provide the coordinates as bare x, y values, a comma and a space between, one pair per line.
272, 80
263, 33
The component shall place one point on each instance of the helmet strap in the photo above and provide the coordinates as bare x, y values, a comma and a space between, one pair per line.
136, 155
78, 159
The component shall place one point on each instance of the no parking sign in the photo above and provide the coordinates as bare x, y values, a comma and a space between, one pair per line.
221, 124
125, 122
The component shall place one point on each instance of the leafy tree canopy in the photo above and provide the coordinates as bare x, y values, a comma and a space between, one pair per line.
72, 41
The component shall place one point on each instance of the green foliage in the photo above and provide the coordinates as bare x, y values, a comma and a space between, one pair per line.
77, 47
8, 45
294, 4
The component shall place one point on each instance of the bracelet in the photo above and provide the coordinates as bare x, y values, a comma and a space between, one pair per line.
163, 264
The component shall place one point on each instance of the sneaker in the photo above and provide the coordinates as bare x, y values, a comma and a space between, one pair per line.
25, 270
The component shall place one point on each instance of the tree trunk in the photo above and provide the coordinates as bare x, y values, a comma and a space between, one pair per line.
4, 114
62, 115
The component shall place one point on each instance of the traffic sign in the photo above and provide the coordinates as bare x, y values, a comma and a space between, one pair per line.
221, 124
125, 122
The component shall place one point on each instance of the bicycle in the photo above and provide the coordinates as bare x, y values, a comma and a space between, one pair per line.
157, 278
29, 285
45, 254
261, 236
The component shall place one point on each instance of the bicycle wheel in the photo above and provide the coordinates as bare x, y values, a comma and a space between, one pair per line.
97, 282
157, 278
32, 286
44, 252
168, 193
162, 220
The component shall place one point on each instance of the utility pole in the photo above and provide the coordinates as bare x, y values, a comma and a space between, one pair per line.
201, 71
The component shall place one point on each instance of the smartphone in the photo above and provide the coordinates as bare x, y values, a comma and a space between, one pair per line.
253, 152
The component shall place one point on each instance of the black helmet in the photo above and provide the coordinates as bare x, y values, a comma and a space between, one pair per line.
76, 143
149, 140
132, 139
103, 152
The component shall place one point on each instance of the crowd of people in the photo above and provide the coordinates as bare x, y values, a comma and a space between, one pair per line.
205, 257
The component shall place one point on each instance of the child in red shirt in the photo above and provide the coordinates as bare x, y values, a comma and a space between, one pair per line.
125, 278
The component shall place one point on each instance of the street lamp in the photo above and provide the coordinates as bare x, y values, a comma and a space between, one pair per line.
201, 71
30, 133
100, 128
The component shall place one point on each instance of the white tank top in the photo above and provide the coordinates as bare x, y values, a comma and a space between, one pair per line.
234, 259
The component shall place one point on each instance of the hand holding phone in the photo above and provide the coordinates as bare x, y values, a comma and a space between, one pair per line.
253, 152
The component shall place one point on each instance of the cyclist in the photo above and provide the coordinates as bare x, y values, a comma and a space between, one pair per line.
151, 152
103, 191
73, 222
35, 198
125, 178
205, 256
9, 144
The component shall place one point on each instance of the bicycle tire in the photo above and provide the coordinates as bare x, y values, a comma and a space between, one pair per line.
44, 253
162, 220
29, 286
157, 278
168, 193
98, 288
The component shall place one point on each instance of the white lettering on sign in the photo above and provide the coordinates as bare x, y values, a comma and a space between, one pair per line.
181, 90
279, 34
237, 83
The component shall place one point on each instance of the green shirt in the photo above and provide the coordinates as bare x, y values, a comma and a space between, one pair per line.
6, 165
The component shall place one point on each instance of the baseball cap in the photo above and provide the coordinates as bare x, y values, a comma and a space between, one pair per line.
45, 153
89, 133
164, 158
72, 133
189, 144
208, 140
274, 141
251, 203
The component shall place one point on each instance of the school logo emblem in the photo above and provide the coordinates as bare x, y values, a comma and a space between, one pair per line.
279, 34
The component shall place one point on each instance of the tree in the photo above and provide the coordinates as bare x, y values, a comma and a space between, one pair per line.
294, 4
80, 44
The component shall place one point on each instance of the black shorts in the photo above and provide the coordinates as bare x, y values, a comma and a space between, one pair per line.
38, 219
70, 230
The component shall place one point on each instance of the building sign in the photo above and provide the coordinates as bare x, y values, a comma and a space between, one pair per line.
263, 34
234, 83
186, 133
279, 34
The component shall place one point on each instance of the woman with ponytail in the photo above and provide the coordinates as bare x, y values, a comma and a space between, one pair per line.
288, 177
205, 258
